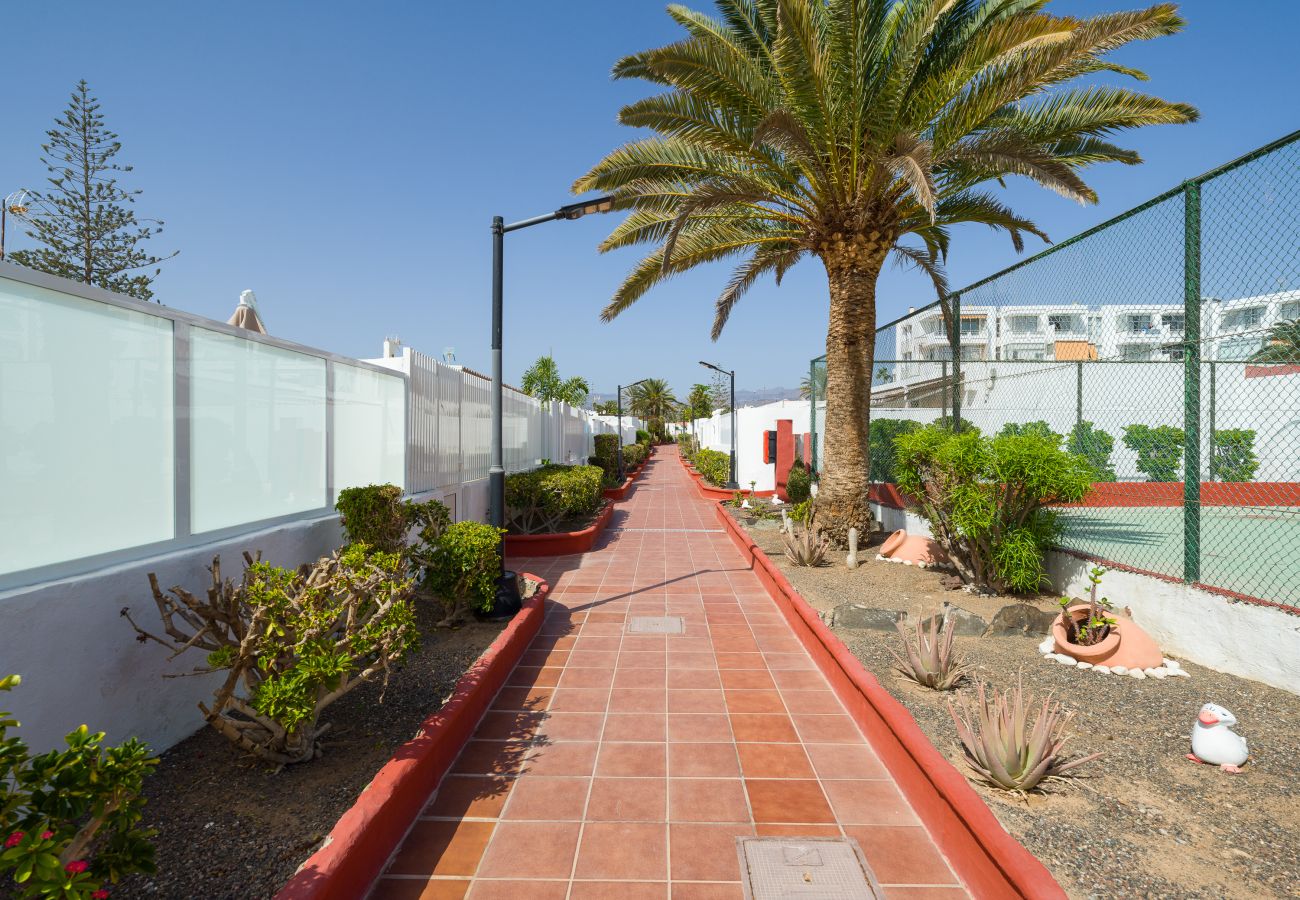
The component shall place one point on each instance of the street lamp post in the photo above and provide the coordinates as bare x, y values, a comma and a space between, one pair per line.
507, 591
732, 485
620, 423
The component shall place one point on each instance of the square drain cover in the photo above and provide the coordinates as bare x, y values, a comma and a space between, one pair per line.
774, 868
655, 625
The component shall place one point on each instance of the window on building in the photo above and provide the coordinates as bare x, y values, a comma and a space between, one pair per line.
1173, 353
976, 352
1289, 310
1024, 324
1063, 324
1250, 317
972, 325
1174, 322
934, 326
1026, 353
1134, 352
1239, 348
1136, 323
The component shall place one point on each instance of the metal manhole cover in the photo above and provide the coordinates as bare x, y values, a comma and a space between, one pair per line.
655, 625
774, 868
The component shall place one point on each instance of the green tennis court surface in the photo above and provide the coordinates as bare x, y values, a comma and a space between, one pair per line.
1248, 550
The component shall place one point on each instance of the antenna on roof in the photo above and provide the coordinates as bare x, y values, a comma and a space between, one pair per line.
449, 354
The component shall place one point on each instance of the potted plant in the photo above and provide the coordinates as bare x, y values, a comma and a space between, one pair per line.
1094, 632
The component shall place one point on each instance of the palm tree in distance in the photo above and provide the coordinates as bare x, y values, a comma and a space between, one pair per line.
842, 128
653, 401
542, 380
814, 385
1282, 344
700, 401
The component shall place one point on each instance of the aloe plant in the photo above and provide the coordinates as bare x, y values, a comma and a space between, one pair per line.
810, 548
1004, 750
929, 658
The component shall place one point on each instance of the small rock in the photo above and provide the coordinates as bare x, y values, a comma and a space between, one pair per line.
1065, 659
1173, 665
1119, 670
1046, 646
963, 622
851, 615
1085, 665
1138, 674
1020, 618
1105, 670
1159, 672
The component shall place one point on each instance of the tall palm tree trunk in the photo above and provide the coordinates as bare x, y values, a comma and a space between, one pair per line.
852, 271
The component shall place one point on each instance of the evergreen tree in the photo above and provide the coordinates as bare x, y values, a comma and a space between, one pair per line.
88, 231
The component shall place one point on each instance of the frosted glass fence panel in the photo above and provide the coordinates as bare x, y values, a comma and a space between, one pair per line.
257, 444
369, 428
475, 427
86, 428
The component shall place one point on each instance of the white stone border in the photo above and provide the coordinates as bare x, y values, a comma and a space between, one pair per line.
1170, 667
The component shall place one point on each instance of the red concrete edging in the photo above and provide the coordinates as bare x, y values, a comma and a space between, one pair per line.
618, 493
358, 847
989, 860
562, 543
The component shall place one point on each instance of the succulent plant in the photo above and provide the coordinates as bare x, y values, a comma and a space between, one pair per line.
929, 659
810, 547
1004, 750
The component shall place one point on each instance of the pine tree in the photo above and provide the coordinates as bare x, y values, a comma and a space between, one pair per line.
88, 231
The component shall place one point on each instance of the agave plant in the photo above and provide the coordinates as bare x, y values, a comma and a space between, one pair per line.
929, 659
1004, 750
809, 549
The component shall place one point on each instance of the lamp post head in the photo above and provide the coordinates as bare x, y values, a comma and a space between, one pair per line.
578, 210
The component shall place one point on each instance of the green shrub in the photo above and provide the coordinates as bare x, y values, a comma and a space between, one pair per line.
1094, 446
540, 500
986, 499
642, 436
1038, 427
606, 455
70, 819
798, 483
463, 568
1234, 456
633, 456
714, 465
946, 423
881, 434
1159, 450
377, 516
292, 641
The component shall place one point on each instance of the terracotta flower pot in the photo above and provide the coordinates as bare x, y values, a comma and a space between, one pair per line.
1125, 645
912, 548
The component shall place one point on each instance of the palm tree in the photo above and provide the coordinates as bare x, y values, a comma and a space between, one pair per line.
653, 401
1282, 344
814, 385
542, 380
839, 128
700, 401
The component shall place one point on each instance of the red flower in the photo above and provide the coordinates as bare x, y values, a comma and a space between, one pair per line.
100, 894
76, 867
13, 840
46, 835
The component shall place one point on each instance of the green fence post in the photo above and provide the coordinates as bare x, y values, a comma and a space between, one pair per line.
1214, 443
1192, 383
943, 391
956, 363
1078, 394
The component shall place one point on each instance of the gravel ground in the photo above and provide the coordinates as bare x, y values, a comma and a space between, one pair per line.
228, 828
1143, 822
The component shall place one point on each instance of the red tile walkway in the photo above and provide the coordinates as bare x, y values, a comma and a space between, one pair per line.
625, 765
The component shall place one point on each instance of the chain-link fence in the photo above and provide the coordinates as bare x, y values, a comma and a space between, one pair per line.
1163, 346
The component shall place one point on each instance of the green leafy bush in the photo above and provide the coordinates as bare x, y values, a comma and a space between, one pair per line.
642, 436
946, 423
1234, 456
70, 819
542, 500
376, 515
463, 568
714, 465
606, 455
1094, 446
986, 499
798, 483
633, 456
1038, 427
293, 642
881, 434
1159, 450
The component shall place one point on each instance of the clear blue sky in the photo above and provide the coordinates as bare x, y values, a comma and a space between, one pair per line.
344, 160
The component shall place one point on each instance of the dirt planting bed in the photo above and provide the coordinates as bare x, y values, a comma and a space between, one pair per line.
1144, 822
229, 828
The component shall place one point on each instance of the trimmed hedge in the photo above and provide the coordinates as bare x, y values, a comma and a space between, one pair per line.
606, 455
538, 502
633, 456
713, 465
798, 483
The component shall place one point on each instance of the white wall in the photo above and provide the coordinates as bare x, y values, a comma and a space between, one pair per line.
751, 421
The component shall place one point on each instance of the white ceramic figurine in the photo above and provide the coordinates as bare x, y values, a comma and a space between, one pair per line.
1214, 741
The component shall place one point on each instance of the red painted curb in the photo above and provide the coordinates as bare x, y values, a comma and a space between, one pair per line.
561, 543
359, 845
989, 861
618, 493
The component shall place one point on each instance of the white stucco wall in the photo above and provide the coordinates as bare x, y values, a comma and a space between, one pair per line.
1243, 639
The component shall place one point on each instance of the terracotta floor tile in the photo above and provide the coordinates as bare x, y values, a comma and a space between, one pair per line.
474, 797
515, 890
492, 758
636, 727
501, 726
699, 679
706, 800
628, 800
703, 761
838, 729
706, 727
688, 891
442, 848
632, 760
689, 660
587, 678
592, 659
845, 761
575, 699
705, 852
550, 849
604, 642
788, 801
928, 892
763, 728
571, 726
755, 702
747, 680
544, 658
770, 829
530, 676
642, 659
638, 700
619, 850
799, 680
774, 761
639, 678
696, 701
868, 803
539, 798
901, 854
415, 889
741, 661
572, 758
531, 699
622, 890
812, 703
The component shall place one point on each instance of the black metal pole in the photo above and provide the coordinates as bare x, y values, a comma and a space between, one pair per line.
620, 434
508, 600
733, 485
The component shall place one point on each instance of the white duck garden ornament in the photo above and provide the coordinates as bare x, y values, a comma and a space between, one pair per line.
1214, 741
